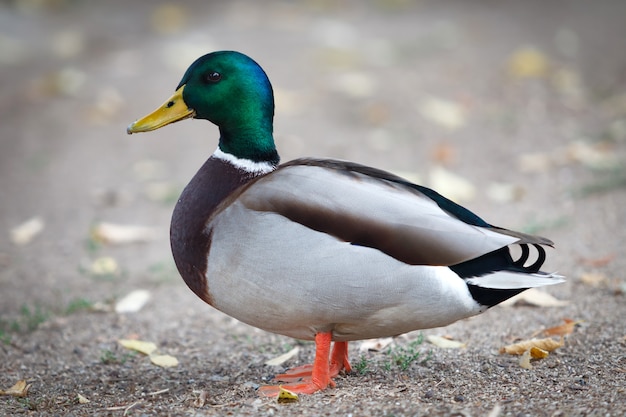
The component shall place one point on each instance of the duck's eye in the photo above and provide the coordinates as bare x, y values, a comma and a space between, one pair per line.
213, 77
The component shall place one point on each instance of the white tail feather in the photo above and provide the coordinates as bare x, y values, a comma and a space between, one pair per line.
505, 280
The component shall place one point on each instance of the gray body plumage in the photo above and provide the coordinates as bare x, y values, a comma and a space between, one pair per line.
286, 259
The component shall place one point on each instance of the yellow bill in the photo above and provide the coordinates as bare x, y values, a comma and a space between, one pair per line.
173, 110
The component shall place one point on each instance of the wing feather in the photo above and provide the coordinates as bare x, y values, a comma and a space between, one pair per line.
373, 208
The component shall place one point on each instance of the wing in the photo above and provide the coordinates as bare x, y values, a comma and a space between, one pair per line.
373, 208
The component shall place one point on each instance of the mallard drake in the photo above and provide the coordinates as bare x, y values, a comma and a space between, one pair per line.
322, 249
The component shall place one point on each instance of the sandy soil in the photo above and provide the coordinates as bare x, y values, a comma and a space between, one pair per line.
524, 101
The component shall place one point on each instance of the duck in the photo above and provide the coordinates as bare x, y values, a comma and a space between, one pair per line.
323, 249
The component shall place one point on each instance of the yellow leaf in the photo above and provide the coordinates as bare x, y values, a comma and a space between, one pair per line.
140, 346
519, 348
164, 361
286, 396
538, 353
445, 343
20, 389
528, 62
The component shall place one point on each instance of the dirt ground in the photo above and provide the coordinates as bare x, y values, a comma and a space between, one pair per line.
516, 109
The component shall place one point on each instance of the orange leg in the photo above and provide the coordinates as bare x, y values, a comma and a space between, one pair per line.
339, 359
308, 379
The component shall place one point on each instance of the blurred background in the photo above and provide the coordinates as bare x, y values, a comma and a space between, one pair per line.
515, 109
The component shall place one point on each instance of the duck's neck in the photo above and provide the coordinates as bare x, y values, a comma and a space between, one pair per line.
249, 141
247, 167
190, 237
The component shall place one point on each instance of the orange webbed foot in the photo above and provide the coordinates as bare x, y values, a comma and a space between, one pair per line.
299, 373
307, 379
302, 388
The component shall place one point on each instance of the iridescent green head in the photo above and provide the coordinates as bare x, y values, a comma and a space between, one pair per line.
231, 90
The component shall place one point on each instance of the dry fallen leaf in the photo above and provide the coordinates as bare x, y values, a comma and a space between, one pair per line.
445, 343
519, 348
132, 302
453, 186
26, 232
147, 348
595, 156
538, 353
504, 193
535, 297
444, 153
563, 329
524, 360
20, 389
445, 113
164, 361
279, 360
594, 279
120, 234
532, 353
597, 262
286, 396
200, 399
375, 345
82, 399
